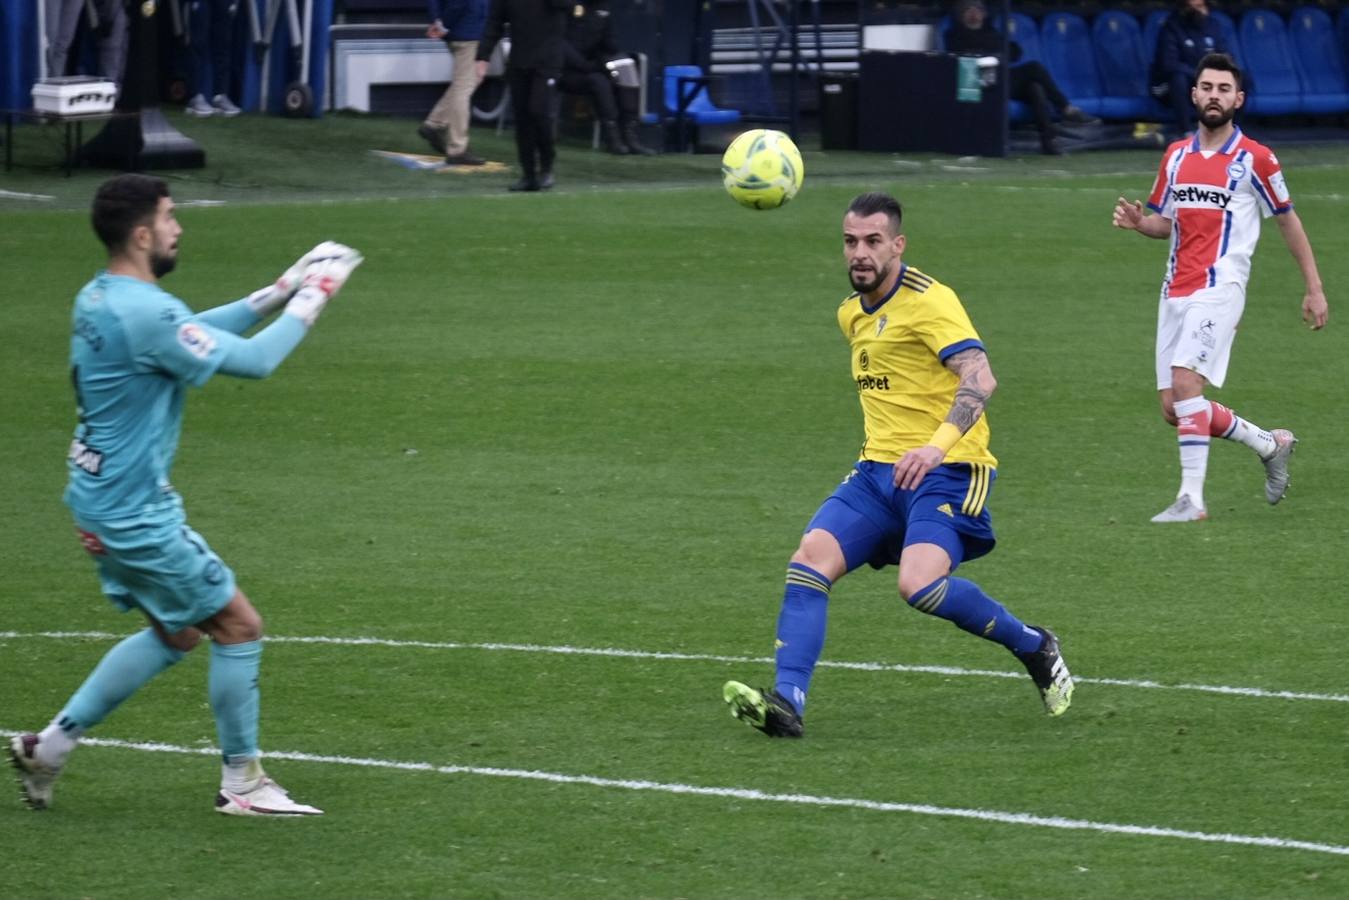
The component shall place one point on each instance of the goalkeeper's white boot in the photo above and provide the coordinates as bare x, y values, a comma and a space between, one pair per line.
266, 799
1276, 464
1183, 510
35, 776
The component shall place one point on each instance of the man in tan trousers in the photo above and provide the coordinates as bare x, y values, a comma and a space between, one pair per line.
459, 23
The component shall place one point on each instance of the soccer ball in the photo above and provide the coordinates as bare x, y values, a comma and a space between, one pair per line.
762, 169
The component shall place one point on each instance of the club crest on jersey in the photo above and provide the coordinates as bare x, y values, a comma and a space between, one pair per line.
881, 323
195, 340
1236, 171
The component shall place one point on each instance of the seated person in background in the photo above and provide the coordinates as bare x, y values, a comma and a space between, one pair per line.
1028, 81
595, 67
1187, 36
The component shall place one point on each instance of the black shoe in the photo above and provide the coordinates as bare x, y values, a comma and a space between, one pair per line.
434, 136
464, 159
1050, 673
525, 184
766, 710
629, 131
546, 179
1078, 117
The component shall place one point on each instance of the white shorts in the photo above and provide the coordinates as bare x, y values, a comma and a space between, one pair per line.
1196, 332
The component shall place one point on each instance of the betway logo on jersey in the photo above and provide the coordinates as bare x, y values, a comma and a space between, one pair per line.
872, 383
1204, 196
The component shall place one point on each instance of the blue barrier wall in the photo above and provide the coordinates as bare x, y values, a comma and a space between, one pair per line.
18, 53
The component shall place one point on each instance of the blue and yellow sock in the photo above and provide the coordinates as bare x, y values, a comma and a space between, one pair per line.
801, 624
233, 686
121, 672
965, 604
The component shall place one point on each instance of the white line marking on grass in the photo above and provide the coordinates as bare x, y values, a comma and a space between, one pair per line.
1226, 690
20, 195
921, 809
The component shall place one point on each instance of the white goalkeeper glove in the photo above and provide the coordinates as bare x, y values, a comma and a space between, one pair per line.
323, 278
268, 300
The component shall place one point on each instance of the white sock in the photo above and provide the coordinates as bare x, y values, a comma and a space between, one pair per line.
242, 776
1193, 447
1253, 436
54, 743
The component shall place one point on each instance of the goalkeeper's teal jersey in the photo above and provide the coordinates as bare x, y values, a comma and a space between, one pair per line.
134, 350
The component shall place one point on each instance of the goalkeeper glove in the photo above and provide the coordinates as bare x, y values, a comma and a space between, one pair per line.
268, 300
323, 278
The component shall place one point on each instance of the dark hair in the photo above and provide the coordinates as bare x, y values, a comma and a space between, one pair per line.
124, 202
875, 202
1221, 62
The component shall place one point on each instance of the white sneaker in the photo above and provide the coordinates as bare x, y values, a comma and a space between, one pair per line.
1276, 465
225, 106
35, 777
1183, 510
198, 106
267, 799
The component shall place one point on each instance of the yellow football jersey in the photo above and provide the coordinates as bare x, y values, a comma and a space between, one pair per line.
898, 351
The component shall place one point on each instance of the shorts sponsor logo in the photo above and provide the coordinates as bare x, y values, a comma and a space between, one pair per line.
195, 340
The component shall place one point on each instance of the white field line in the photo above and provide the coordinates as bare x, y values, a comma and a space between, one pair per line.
1227, 690
920, 809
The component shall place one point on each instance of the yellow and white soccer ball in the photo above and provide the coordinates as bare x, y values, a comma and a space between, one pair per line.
762, 169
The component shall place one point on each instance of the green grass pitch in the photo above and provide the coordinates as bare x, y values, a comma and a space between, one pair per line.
598, 419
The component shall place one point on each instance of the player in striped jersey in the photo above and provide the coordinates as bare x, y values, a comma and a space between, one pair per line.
1210, 193
918, 495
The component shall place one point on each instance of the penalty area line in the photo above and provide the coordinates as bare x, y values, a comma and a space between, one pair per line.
750, 794
567, 650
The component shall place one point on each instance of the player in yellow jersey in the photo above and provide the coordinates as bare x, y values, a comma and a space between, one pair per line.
918, 495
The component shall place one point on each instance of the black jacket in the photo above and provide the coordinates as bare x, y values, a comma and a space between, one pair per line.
986, 41
537, 30
590, 39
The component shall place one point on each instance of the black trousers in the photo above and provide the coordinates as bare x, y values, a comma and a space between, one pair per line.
532, 93
1032, 84
612, 103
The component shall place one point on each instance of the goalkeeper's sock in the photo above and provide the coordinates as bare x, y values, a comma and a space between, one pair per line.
233, 687
964, 604
800, 635
123, 669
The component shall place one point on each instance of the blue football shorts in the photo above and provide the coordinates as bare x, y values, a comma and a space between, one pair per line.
159, 566
874, 521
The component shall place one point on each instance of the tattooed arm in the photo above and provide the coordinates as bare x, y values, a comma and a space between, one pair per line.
976, 386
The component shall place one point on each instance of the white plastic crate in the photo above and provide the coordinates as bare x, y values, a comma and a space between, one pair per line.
74, 94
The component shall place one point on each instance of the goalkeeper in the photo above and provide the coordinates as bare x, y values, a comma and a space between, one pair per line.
134, 351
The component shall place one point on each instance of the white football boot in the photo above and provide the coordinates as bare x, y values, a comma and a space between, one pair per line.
1183, 510
267, 799
35, 776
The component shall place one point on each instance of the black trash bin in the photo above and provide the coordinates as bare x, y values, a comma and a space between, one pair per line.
838, 112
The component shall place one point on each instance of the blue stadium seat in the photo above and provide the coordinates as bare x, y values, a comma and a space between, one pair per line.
1317, 55
1264, 43
1342, 29
1231, 41
1152, 26
1123, 65
700, 109
1069, 57
1022, 29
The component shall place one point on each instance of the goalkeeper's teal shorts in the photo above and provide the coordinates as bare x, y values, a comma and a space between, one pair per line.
159, 566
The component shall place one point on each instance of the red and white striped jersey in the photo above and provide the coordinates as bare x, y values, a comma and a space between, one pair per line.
1215, 200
